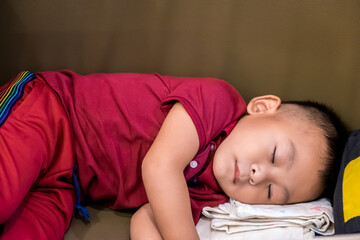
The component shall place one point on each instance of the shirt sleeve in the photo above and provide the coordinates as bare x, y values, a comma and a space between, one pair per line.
212, 104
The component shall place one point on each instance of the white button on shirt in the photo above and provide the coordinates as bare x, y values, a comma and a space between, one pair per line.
193, 164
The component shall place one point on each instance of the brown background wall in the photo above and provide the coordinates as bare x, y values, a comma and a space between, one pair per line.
297, 49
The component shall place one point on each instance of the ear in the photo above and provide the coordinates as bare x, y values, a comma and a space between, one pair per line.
263, 104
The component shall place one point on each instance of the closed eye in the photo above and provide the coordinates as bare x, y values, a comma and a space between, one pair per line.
273, 156
269, 192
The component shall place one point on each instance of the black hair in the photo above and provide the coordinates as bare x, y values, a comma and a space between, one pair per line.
336, 134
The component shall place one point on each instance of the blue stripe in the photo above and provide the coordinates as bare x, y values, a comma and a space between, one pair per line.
12, 95
15, 94
14, 83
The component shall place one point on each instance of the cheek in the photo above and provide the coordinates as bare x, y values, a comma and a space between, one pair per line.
221, 167
255, 146
247, 194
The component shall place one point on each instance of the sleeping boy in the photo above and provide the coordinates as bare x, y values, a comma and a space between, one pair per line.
167, 146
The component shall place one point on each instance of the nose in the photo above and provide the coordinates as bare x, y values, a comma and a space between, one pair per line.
258, 174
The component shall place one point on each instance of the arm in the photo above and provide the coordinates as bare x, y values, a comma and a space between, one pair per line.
174, 147
144, 220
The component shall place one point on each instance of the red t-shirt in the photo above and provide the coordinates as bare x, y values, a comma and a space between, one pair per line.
116, 117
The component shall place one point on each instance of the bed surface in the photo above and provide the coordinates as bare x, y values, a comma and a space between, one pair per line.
107, 224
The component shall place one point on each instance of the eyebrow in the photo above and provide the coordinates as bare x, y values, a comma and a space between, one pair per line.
291, 161
286, 195
291, 154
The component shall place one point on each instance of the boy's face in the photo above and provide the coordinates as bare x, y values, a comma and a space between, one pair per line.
269, 158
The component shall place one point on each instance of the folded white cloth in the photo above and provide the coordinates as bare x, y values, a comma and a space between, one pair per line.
284, 233
303, 218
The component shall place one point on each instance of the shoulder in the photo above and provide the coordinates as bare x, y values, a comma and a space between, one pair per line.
200, 86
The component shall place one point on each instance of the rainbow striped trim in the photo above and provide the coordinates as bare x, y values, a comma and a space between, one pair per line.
12, 93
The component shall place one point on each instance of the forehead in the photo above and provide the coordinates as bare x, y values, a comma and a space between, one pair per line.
304, 126
309, 159
309, 147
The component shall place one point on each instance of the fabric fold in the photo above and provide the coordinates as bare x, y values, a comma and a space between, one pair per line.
304, 219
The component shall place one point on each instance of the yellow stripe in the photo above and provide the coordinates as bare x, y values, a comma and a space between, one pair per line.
9, 89
351, 190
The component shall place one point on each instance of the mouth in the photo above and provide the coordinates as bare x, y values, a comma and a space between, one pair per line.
236, 172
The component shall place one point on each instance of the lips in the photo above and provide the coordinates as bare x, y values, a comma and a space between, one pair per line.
236, 172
